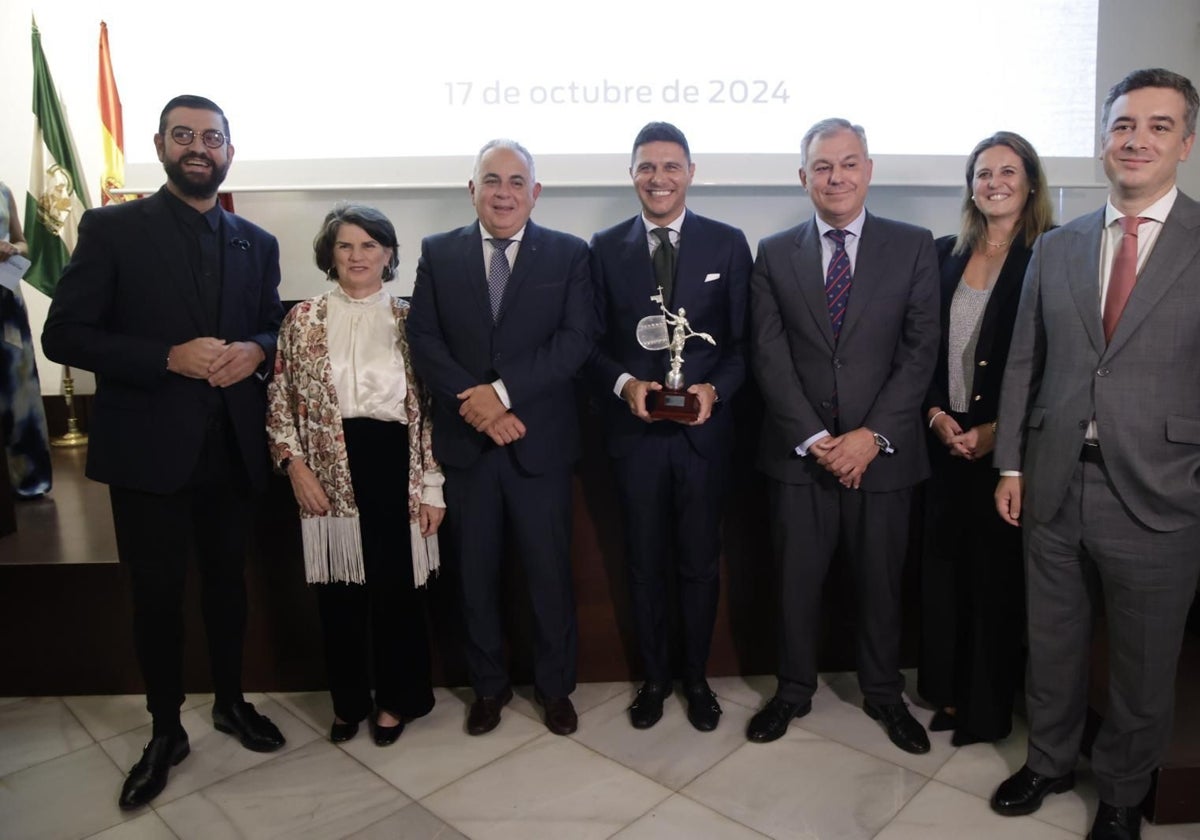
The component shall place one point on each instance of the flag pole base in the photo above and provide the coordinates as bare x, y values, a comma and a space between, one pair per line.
73, 437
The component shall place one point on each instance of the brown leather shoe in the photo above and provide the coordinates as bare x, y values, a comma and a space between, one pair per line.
485, 712
560, 713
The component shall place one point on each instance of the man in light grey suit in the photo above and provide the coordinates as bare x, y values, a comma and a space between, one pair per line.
1099, 453
845, 333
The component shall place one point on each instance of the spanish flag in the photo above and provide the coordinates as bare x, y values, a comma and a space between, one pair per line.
111, 132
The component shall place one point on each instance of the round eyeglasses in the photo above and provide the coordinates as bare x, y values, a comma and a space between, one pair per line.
184, 136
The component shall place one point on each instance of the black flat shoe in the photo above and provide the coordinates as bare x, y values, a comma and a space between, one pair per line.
340, 733
255, 731
703, 709
647, 708
902, 728
148, 777
1022, 792
771, 723
385, 736
943, 721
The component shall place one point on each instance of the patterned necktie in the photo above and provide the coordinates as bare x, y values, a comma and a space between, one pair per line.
664, 263
1124, 274
498, 274
837, 281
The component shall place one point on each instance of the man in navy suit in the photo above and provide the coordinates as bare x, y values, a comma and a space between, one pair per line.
174, 304
845, 320
671, 475
501, 322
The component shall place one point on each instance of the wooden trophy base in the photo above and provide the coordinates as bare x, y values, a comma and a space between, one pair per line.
673, 404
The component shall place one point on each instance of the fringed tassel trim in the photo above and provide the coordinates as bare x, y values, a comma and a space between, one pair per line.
425, 556
332, 549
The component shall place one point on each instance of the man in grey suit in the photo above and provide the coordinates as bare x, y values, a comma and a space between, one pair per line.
1099, 452
845, 319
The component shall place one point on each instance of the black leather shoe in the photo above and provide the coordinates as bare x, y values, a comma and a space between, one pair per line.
560, 714
485, 712
1116, 823
902, 728
647, 708
148, 777
385, 736
703, 709
255, 731
340, 733
772, 722
1022, 792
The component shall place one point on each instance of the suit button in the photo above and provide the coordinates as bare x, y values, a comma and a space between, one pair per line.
978, 397
826, 404
1083, 424
837, 363
983, 362
1102, 372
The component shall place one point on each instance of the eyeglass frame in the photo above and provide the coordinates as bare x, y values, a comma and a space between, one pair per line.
203, 135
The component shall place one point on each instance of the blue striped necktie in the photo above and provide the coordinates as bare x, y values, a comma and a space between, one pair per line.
837, 281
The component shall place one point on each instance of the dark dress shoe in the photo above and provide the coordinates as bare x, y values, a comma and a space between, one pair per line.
385, 736
255, 731
902, 728
963, 738
703, 709
148, 777
771, 723
560, 714
485, 712
1116, 823
1022, 792
943, 721
340, 733
647, 708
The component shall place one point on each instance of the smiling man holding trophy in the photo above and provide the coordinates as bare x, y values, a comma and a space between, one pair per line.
663, 277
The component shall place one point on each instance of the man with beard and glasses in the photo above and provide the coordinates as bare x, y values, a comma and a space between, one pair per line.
174, 304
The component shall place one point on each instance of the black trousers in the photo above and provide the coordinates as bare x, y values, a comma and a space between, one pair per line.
972, 597
378, 626
671, 499
810, 522
157, 535
493, 498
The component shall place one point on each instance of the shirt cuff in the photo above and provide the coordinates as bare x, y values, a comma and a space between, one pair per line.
502, 393
802, 449
619, 388
1011, 473
431, 489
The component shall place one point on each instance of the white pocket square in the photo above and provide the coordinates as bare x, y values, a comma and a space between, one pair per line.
711, 277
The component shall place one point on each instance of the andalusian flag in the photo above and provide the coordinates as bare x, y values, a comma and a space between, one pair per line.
57, 193
112, 135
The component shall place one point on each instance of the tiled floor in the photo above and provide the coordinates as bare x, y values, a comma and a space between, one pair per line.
834, 775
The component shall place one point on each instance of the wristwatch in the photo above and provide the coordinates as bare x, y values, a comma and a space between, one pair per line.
885, 445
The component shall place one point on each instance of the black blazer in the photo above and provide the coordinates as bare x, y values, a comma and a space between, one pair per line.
544, 335
995, 331
124, 299
712, 284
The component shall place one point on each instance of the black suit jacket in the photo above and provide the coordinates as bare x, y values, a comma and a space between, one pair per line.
124, 299
711, 283
542, 338
879, 368
995, 330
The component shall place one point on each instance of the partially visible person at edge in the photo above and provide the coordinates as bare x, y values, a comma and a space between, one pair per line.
22, 415
1098, 451
972, 580
349, 424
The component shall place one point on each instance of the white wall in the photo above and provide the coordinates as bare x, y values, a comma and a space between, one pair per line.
1132, 34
